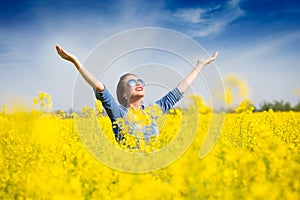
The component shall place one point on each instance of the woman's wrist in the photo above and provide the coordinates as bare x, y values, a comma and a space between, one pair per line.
77, 63
199, 67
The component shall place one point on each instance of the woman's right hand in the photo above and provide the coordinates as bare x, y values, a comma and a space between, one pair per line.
65, 55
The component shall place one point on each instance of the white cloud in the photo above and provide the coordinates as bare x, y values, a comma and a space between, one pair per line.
201, 22
192, 15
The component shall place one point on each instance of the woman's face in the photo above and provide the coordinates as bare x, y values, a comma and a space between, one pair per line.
133, 91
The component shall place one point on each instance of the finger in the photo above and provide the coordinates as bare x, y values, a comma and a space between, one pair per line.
63, 51
215, 54
58, 48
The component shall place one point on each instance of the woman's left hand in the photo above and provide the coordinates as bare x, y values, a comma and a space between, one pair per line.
207, 61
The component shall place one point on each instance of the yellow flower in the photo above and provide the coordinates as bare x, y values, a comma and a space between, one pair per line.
46, 155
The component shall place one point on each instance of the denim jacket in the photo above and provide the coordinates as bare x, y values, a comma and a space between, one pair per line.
115, 111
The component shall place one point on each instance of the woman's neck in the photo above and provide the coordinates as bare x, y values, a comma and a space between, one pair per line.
137, 104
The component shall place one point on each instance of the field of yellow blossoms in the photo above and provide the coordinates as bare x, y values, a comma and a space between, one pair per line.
257, 156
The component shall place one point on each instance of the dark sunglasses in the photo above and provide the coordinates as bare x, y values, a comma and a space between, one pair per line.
133, 82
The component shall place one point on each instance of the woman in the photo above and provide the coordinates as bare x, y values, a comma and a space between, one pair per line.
131, 90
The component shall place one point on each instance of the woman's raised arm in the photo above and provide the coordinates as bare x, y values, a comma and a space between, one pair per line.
186, 83
90, 79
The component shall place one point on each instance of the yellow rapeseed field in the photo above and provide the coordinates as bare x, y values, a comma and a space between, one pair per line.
257, 156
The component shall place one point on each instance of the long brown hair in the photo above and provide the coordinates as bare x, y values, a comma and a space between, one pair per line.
120, 90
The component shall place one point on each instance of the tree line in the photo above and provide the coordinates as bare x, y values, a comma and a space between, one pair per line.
277, 105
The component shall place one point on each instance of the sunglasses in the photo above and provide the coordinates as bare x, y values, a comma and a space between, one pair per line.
133, 82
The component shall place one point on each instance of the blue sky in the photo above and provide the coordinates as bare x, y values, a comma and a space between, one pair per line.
257, 40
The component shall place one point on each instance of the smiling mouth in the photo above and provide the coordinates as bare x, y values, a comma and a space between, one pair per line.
139, 88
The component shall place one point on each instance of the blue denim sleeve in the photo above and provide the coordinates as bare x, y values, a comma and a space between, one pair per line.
111, 107
169, 100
